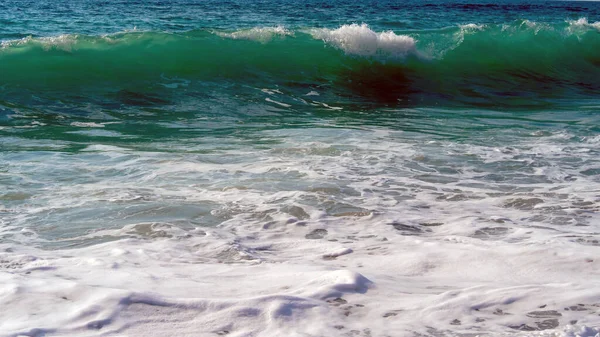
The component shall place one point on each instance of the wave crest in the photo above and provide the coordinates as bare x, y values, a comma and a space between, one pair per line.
63, 42
259, 34
360, 40
512, 62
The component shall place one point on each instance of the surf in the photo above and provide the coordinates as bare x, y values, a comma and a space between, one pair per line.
469, 64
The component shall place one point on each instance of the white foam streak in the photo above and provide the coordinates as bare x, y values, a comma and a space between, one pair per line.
277, 102
472, 26
63, 42
360, 40
259, 34
87, 124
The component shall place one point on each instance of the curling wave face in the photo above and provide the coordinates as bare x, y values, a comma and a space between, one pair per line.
504, 64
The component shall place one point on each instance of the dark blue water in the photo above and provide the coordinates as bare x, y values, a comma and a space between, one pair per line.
46, 18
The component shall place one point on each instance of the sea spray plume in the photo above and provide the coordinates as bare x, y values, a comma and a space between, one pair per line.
472, 27
360, 40
581, 26
583, 22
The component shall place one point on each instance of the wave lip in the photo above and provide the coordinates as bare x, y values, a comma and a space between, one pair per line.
472, 27
581, 26
360, 40
583, 22
511, 63
259, 34
63, 42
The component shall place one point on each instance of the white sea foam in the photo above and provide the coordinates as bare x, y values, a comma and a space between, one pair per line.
285, 284
277, 102
583, 23
63, 42
473, 26
260, 34
87, 124
325, 232
528, 25
360, 40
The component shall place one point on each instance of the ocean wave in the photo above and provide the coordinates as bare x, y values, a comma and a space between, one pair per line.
472, 63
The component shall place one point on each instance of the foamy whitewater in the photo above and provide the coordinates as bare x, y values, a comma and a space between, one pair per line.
422, 169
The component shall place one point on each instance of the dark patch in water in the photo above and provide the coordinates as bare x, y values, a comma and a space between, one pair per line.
316, 234
548, 324
490, 232
409, 229
296, 211
431, 224
588, 241
544, 314
134, 98
522, 327
523, 203
337, 301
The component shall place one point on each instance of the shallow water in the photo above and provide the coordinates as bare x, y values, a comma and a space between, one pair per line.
259, 168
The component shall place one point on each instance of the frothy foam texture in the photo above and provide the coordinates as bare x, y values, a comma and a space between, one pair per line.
189, 205
63, 42
285, 283
583, 22
472, 27
270, 169
360, 40
328, 232
582, 26
260, 34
